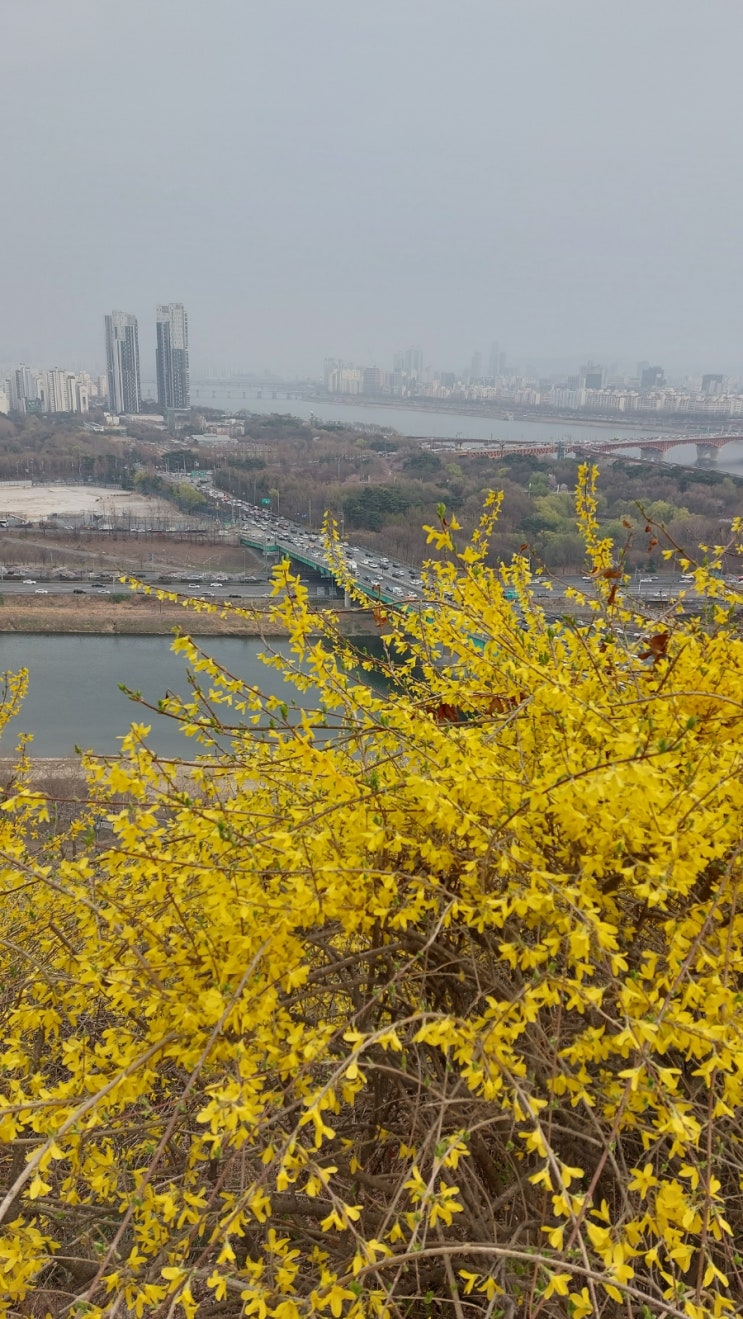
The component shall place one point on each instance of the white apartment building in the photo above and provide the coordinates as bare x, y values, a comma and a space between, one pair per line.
57, 390
345, 380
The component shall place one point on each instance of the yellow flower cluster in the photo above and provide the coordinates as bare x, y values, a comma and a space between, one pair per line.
427, 996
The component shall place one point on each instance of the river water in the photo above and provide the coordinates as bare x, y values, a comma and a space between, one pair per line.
421, 422
73, 697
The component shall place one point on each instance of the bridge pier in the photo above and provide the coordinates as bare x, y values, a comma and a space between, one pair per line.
706, 454
651, 453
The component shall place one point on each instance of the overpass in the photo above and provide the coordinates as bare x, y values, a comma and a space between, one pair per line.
376, 595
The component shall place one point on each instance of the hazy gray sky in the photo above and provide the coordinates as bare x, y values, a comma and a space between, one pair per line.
343, 177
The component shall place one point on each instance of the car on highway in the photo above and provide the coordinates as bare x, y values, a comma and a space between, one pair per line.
648, 581
194, 586
41, 590
78, 590
29, 581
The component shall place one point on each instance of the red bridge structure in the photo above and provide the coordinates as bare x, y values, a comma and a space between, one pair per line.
652, 449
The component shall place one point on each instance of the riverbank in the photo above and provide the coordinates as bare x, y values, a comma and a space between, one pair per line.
55, 776
138, 615
144, 616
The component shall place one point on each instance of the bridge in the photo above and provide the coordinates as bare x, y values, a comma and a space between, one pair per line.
375, 594
651, 448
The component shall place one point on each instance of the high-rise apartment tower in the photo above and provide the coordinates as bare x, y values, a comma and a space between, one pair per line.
122, 357
173, 390
410, 361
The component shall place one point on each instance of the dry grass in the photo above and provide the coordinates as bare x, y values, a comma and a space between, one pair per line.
137, 616
142, 615
87, 550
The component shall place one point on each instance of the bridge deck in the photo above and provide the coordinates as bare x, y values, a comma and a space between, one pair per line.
316, 564
560, 448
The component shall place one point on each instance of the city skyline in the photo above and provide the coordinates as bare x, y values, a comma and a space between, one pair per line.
526, 363
594, 387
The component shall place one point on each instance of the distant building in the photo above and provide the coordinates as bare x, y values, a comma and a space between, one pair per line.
345, 380
493, 371
62, 391
476, 368
4, 400
329, 368
122, 360
177, 419
23, 388
593, 376
712, 384
173, 385
409, 362
653, 377
29, 390
373, 380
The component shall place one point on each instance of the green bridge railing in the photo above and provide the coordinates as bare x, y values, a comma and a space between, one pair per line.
317, 566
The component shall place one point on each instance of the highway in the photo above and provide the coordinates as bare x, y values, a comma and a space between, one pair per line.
392, 582
226, 588
379, 576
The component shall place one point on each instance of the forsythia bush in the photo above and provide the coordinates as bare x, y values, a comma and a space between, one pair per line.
423, 996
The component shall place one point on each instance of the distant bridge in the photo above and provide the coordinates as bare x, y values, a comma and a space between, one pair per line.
707, 446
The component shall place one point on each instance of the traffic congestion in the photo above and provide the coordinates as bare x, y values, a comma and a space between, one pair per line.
376, 573
379, 573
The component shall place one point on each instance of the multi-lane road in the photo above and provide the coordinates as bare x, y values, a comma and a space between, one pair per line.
666, 588
377, 574
219, 590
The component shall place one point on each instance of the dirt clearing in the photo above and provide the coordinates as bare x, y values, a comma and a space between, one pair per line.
36, 503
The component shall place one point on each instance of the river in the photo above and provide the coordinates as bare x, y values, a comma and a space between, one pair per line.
73, 696
422, 422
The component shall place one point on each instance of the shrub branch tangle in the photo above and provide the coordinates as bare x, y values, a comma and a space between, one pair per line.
439, 1014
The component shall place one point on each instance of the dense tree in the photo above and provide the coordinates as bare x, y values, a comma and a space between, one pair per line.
419, 999
370, 506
